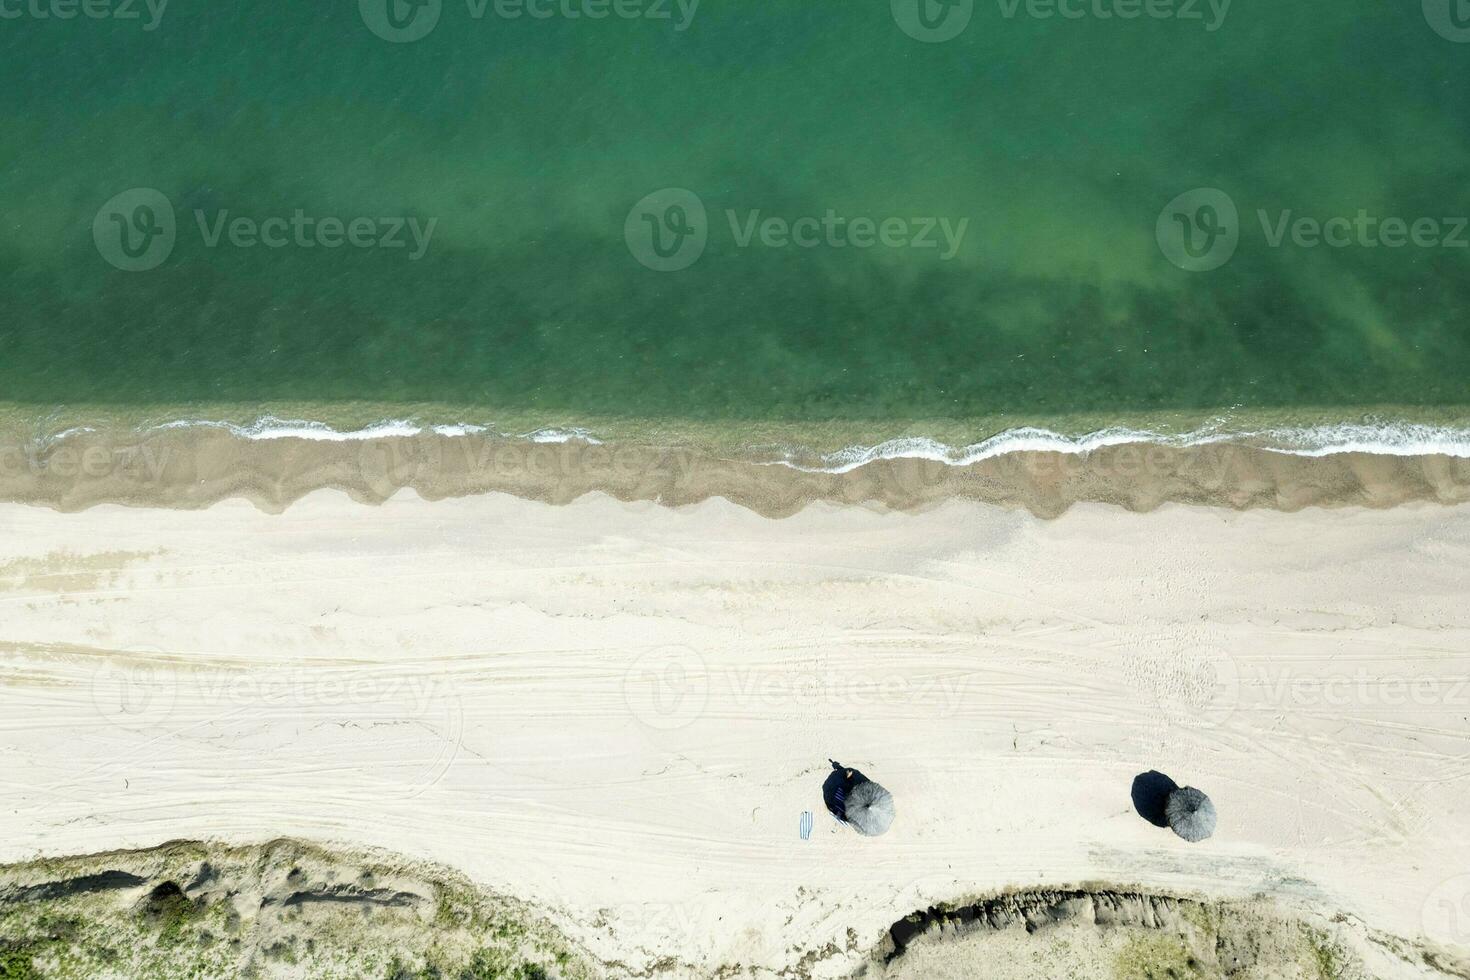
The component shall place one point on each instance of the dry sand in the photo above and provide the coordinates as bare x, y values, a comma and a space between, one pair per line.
618, 711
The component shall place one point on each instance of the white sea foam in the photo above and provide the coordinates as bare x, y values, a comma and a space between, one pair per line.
1388, 439
46, 441
270, 427
1402, 439
1379, 438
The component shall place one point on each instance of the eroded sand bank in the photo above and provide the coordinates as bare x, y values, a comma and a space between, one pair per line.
287, 909
618, 712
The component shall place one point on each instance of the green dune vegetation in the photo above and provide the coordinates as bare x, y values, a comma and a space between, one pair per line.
291, 909
283, 909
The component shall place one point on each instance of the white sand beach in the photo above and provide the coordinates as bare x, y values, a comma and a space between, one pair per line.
619, 711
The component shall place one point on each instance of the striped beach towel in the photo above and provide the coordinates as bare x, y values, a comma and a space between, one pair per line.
806, 825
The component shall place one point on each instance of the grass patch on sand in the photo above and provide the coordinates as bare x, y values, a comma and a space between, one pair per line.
1157, 957
189, 911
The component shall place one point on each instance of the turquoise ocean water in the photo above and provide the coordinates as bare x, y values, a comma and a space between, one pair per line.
737, 211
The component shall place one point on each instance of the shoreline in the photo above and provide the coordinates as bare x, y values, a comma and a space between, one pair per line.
191, 466
1386, 424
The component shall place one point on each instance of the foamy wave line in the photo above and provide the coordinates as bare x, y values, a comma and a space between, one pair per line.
1384, 439
270, 427
1391, 439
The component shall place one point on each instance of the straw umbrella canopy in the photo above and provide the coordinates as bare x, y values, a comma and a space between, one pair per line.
869, 808
1191, 814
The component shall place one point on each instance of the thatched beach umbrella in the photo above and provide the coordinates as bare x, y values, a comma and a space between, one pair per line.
1191, 814
869, 809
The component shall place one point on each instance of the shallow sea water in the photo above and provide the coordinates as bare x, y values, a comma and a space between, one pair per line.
738, 213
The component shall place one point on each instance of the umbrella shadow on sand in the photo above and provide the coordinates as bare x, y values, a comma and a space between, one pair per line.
1164, 803
1151, 796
